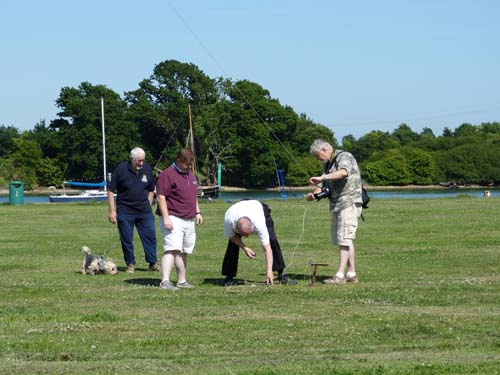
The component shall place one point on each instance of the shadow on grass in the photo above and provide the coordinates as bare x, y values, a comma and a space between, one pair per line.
137, 269
220, 281
216, 281
145, 281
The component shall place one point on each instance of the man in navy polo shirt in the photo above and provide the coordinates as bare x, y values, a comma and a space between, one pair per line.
134, 184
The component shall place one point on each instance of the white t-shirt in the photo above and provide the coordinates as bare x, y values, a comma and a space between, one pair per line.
254, 211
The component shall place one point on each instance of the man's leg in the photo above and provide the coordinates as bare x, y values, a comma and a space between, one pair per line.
344, 225
147, 232
278, 261
180, 267
351, 264
343, 260
167, 263
230, 262
125, 225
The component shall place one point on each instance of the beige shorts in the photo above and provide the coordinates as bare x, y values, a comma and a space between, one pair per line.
182, 237
345, 224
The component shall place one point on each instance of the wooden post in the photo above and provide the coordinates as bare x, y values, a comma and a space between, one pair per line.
314, 269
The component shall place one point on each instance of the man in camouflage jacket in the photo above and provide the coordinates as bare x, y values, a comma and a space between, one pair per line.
341, 183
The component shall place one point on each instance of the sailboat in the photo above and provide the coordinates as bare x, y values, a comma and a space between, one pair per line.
92, 191
204, 191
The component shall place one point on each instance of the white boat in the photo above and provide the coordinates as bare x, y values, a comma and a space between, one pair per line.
87, 195
91, 191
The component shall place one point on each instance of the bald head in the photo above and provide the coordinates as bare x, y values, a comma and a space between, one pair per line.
245, 226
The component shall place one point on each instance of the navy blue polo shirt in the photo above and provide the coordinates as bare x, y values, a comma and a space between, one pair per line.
132, 188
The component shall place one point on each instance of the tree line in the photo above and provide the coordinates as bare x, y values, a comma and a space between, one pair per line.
237, 124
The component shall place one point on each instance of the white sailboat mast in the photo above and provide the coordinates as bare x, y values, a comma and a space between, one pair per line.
191, 138
103, 141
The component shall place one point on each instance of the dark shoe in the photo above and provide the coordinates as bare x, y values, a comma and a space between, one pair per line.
284, 280
154, 267
228, 281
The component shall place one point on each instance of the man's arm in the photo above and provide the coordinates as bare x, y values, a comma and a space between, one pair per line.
268, 253
111, 207
237, 241
162, 205
198, 217
336, 175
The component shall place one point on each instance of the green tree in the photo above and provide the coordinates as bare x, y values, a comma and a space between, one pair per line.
374, 141
391, 169
7, 136
301, 169
306, 131
48, 173
261, 128
421, 166
80, 130
160, 105
466, 130
404, 135
490, 128
26, 160
49, 140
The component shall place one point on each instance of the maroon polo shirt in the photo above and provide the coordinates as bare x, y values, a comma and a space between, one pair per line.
180, 191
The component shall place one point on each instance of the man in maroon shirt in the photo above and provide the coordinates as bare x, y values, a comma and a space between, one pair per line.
178, 206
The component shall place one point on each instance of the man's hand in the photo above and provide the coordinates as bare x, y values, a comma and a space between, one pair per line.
249, 252
317, 179
112, 217
310, 196
168, 223
270, 278
199, 219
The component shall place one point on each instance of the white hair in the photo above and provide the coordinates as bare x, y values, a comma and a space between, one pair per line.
137, 153
245, 225
319, 145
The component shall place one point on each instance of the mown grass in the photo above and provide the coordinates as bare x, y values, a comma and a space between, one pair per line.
428, 301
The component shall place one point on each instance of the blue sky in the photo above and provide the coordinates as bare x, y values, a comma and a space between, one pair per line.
354, 66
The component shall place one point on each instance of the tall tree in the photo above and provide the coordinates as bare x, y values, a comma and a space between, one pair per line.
262, 128
374, 141
404, 135
7, 136
160, 105
79, 127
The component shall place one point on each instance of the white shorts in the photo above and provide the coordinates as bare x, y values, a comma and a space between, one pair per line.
345, 224
182, 237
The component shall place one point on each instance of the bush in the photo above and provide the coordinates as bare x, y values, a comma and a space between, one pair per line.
300, 169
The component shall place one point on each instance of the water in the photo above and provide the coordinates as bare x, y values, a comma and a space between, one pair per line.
27, 199
297, 195
373, 193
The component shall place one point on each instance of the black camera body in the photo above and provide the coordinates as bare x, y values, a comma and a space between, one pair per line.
324, 193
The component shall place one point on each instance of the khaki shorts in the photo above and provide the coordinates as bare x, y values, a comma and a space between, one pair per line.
182, 237
345, 224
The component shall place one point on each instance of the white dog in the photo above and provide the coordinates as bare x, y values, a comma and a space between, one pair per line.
93, 264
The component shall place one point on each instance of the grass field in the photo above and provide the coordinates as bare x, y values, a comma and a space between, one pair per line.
428, 301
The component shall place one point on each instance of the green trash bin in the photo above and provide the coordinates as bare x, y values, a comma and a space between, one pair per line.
16, 193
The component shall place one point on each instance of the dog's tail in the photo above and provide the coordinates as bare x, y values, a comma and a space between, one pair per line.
85, 250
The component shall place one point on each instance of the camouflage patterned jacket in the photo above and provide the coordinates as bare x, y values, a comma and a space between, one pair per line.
345, 192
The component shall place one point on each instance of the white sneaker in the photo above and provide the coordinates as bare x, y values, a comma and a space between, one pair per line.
167, 285
184, 285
